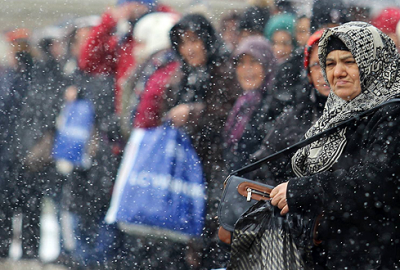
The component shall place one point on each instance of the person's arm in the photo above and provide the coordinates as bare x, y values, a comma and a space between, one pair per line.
148, 113
362, 186
98, 54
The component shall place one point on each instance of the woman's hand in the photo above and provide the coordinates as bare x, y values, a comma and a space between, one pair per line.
278, 198
179, 114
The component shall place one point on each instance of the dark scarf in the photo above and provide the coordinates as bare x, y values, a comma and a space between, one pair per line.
197, 81
241, 114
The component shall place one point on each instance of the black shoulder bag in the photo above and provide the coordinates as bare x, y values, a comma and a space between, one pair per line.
240, 193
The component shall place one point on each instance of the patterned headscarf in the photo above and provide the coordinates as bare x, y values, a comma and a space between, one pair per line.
378, 63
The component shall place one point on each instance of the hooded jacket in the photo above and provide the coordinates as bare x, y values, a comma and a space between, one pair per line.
209, 90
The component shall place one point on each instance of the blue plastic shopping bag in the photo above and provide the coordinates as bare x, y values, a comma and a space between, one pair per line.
74, 127
159, 184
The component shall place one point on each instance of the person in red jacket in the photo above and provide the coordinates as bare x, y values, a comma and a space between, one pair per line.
106, 50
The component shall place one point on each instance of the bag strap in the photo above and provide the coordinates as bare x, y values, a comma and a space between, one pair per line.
253, 166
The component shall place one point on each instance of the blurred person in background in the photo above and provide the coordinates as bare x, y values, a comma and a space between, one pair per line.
22, 65
78, 32
109, 51
86, 241
255, 67
199, 103
143, 91
14, 77
50, 81
32, 172
290, 75
290, 127
252, 21
387, 21
229, 29
284, 7
143, 107
280, 31
327, 13
302, 31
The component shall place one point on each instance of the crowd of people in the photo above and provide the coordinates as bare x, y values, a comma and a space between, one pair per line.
242, 88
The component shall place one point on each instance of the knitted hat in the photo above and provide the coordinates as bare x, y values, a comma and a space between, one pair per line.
284, 22
144, 2
153, 29
387, 20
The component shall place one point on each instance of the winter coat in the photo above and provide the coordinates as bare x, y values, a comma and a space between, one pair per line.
289, 79
106, 53
352, 176
248, 120
358, 196
8, 109
210, 92
35, 124
238, 155
288, 129
144, 91
87, 190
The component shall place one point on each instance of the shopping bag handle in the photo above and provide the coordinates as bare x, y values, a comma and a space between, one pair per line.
253, 166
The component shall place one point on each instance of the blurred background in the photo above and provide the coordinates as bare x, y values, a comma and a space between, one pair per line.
39, 13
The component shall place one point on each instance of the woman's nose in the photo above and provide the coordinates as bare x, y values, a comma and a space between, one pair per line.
340, 70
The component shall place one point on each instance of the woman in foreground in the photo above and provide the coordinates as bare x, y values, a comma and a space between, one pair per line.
353, 175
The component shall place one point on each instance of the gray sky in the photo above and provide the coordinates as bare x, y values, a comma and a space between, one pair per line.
38, 13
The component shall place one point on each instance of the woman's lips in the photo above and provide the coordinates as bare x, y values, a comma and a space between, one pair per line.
341, 83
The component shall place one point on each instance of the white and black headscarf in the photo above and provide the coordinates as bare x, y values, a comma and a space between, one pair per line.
378, 62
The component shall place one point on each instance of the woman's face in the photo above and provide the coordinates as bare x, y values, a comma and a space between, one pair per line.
343, 74
282, 45
302, 31
315, 76
192, 49
249, 72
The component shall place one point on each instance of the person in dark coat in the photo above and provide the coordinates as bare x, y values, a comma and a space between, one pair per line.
326, 13
352, 175
245, 127
86, 187
290, 127
15, 78
252, 21
33, 172
199, 103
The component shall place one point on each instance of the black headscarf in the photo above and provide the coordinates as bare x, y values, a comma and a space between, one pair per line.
197, 79
205, 30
